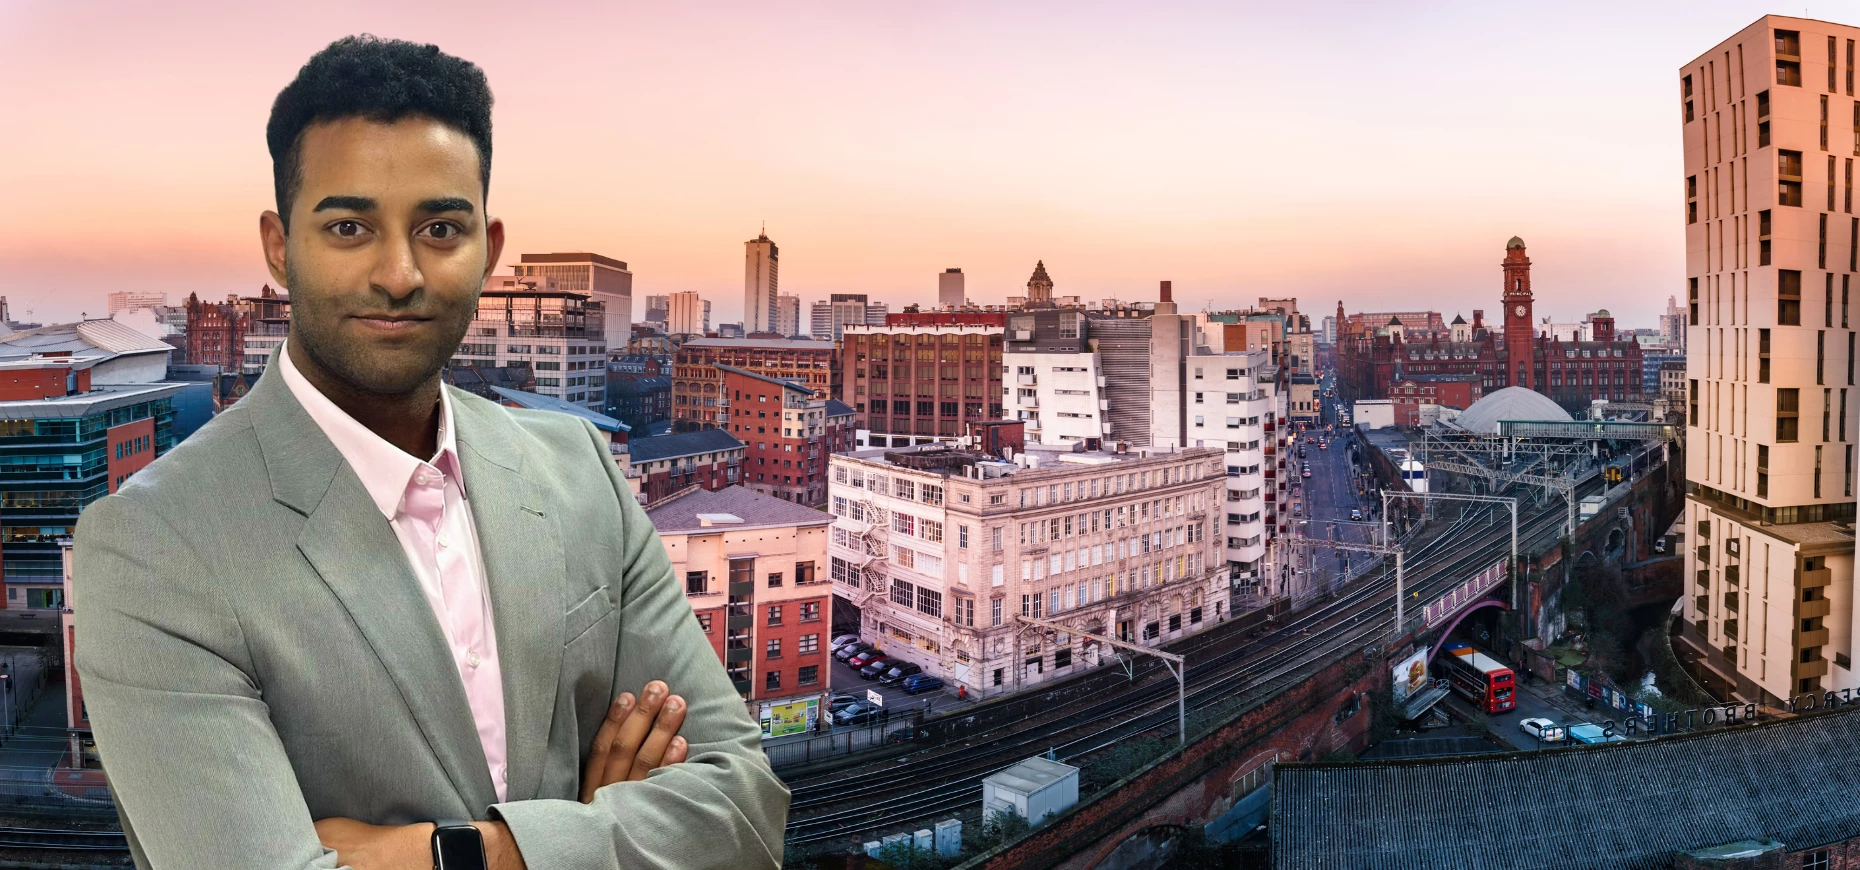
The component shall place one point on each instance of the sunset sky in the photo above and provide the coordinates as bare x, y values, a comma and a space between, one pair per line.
1380, 153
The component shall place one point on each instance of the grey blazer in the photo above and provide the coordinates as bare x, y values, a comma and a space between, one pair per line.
255, 654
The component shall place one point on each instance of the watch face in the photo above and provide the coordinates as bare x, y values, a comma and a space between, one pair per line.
1519, 310
458, 848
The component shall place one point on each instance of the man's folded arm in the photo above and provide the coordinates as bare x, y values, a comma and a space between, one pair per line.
723, 807
188, 746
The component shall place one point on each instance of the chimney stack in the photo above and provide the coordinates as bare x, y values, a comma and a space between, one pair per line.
1165, 292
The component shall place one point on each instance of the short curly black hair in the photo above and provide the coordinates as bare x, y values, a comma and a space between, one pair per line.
382, 80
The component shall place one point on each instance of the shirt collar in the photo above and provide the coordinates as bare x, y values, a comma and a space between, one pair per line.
384, 469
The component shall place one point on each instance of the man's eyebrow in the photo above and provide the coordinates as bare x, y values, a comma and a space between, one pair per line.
346, 203
445, 204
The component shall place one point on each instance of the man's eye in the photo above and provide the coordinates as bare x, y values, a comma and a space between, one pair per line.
347, 229
443, 231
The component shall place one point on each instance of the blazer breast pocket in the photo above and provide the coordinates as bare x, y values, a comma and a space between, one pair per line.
586, 615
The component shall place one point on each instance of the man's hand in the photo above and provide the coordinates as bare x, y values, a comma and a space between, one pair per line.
636, 737
377, 847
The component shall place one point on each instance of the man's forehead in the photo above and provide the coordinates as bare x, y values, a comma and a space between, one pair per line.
411, 159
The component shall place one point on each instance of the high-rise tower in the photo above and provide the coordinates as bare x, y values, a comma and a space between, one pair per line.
1519, 366
760, 284
1769, 396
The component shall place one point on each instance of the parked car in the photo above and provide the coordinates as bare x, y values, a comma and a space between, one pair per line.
840, 641
1542, 729
1307, 472
846, 652
875, 668
1356, 514
899, 672
918, 683
1586, 733
907, 735
860, 713
860, 660
841, 702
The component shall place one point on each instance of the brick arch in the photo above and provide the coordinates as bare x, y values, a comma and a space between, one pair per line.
1448, 630
1146, 823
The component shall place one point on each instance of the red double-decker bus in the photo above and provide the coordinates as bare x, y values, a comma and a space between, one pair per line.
1482, 680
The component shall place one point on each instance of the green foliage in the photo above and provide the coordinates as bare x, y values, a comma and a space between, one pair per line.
1383, 720
997, 828
1120, 761
1598, 595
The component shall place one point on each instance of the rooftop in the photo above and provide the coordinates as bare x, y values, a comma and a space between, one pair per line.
539, 402
1031, 775
949, 461
1614, 805
766, 379
93, 338
677, 444
100, 398
762, 343
687, 511
837, 408
1510, 403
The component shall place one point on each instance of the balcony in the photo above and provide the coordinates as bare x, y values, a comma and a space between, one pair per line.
743, 589
1732, 576
1704, 554
1812, 609
1730, 628
1730, 601
735, 622
1818, 637
742, 686
1025, 380
1027, 401
1816, 578
739, 655
1811, 670
1704, 577
1701, 604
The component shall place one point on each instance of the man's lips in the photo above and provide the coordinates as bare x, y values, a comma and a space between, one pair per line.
391, 323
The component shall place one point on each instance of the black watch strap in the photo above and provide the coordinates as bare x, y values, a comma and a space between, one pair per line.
457, 845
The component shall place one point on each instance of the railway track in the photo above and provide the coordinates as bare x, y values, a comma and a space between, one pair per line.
65, 840
832, 805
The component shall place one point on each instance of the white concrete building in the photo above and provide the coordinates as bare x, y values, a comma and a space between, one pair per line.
936, 550
687, 314
787, 315
559, 333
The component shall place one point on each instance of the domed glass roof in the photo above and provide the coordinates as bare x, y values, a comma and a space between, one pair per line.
1510, 403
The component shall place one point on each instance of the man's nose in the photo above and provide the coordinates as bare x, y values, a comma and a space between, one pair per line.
396, 270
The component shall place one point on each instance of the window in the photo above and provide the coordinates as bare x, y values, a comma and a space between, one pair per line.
1787, 399
994, 612
809, 675
1788, 297
804, 572
774, 614
1789, 174
742, 571
810, 611
695, 583
774, 579
774, 649
962, 537
1818, 859
704, 622
773, 681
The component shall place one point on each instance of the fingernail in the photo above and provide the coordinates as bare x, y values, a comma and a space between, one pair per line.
678, 742
674, 704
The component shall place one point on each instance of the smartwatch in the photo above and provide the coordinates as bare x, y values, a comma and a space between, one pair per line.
457, 846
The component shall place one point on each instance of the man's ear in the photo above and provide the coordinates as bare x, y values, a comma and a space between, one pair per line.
271, 238
494, 245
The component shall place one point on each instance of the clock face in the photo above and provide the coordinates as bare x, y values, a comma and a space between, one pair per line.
1518, 311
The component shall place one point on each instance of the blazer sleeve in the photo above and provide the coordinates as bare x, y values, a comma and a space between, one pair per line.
186, 740
723, 807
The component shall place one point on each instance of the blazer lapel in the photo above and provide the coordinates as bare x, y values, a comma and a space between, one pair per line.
520, 540
355, 552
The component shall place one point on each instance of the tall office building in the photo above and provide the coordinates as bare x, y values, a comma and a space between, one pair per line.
839, 311
820, 320
603, 279
787, 316
557, 333
949, 289
761, 280
1770, 422
875, 313
687, 314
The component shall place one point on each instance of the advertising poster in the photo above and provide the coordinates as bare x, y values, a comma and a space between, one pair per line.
790, 718
1409, 676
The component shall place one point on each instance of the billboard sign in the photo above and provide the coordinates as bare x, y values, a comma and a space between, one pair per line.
1409, 676
790, 718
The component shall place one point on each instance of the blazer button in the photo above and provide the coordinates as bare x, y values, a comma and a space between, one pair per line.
472, 659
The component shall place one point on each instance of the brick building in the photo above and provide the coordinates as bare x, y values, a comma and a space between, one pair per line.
752, 568
1407, 395
216, 330
1371, 358
697, 384
787, 433
922, 375
665, 464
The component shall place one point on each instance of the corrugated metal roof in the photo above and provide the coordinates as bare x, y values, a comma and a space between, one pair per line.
88, 338
681, 444
540, 402
1615, 805
680, 512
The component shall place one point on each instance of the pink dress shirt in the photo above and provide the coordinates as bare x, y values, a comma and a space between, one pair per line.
426, 505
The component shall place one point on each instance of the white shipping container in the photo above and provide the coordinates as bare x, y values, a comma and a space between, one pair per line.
1032, 789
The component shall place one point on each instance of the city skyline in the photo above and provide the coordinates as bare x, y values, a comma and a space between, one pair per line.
1110, 145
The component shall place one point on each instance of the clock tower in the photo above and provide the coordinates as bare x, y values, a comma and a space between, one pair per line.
1520, 335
